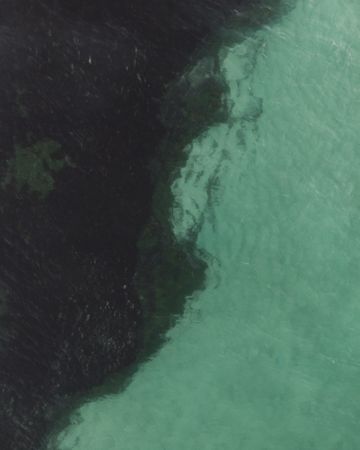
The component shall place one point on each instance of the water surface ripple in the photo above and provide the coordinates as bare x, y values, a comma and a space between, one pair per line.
267, 357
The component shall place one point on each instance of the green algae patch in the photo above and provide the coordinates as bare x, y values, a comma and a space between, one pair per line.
168, 272
33, 168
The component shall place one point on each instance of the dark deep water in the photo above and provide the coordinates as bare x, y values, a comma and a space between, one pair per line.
88, 142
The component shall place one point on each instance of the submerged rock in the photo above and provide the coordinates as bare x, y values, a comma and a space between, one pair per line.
34, 168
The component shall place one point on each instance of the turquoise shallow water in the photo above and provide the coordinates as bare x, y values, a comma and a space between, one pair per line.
267, 357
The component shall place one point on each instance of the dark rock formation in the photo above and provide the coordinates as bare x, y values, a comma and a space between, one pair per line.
80, 88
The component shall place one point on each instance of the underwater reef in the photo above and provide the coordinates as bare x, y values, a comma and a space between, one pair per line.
94, 114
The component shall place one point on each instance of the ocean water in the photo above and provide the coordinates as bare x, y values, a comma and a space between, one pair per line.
267, 356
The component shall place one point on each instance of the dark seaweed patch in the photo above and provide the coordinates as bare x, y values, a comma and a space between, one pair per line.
84, 192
